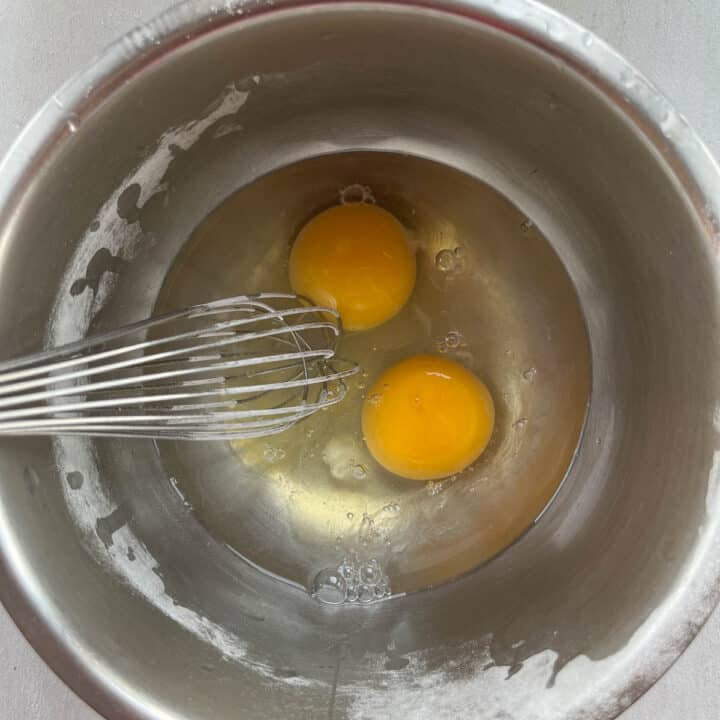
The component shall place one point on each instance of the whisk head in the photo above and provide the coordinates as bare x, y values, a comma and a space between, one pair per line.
236, 368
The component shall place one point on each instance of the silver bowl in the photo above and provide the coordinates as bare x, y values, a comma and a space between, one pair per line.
144, 614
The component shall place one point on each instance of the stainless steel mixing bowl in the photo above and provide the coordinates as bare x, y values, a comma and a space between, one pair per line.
147, 617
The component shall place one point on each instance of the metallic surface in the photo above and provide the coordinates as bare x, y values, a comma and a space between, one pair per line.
522, 331
635, 559
232, 369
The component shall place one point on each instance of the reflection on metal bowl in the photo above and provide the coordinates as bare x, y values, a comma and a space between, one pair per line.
136, 599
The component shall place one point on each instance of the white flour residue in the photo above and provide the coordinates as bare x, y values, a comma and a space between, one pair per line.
126, 555
583, 689
72, 315
151, 172
493, 693
415, 693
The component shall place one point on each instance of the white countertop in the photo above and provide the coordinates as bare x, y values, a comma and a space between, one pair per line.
676, 43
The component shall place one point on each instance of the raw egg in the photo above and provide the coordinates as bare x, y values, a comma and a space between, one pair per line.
356, 259
427, 417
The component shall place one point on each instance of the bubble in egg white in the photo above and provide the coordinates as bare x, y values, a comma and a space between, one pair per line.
329, 587
454, 339
445, 261
460, 260
340, 455
356, 193
273, 454
451, 262
375, 399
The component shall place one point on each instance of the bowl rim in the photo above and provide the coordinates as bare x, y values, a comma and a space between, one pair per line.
674, 624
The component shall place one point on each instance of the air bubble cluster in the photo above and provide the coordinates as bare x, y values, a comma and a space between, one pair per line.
273, 454
434, 488
329, 587
356, 193
353, 581
452, 262
454, 340
345, 469
375, 399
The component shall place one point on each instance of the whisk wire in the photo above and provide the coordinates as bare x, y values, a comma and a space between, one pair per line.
233, 368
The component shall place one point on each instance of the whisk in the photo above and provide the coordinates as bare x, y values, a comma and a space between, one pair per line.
237, 368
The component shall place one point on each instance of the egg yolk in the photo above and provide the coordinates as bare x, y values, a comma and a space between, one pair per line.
356, 259
427, 418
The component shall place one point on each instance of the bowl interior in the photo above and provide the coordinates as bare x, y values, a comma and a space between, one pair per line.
157, 609
314, 498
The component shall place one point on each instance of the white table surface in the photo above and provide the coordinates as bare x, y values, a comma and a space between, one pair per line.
674, 42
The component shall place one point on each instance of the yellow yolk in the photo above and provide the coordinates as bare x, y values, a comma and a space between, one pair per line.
357, 260
427, 418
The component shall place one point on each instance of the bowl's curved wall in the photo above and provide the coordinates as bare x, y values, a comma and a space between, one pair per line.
144, 616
